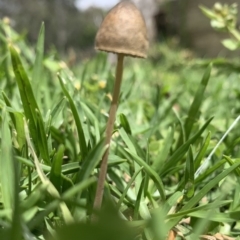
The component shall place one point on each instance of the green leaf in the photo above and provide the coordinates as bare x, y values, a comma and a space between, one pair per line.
231, 44
209, 13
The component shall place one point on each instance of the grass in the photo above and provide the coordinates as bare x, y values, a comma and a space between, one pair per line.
174, 109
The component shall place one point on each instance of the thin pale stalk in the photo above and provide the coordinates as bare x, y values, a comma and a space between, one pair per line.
109, 130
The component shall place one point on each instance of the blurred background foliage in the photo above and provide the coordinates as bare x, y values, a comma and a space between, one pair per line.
68, 29
71, 30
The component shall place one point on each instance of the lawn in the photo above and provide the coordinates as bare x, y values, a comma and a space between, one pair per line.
173, 169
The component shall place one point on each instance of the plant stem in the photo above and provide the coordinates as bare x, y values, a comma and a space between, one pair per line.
109, 130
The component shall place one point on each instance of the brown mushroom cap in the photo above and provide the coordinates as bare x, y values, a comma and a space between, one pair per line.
123, 31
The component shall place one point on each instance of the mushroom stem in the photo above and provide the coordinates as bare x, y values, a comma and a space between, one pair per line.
109, 130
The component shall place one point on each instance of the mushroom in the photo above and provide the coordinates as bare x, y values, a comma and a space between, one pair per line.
123, 31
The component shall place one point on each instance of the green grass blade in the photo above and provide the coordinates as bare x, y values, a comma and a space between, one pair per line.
189, 175
6, 165
162, 156
56, 169
81, 136
202, 151
42, 139
152, 174
94, 121
30, 106
231, 162
17, 119
79, 187
180, 152
138, 201
182, 135
127, 140
125, 124
212, 169
26, 93
38, 67
91, 161
195, 106
129, 184
214, 205
212, 183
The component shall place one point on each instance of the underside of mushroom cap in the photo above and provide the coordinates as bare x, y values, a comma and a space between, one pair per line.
123, 31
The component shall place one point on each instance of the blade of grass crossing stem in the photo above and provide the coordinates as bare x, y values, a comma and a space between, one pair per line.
180, 152
56, 169
17, 119
6, 165
212, 183
189, 175
202, 151
153, 175
30, 106
81, 136
195, 106
38, 67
